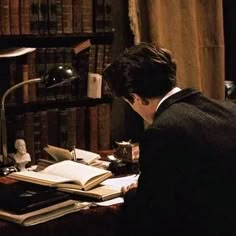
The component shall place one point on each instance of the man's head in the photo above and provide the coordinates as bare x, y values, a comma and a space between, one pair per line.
145, 69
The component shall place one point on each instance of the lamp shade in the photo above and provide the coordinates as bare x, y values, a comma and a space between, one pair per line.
59, 75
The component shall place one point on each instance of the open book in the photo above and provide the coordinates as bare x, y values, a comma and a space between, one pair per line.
61, 154
106, 190
65, 174
44, 214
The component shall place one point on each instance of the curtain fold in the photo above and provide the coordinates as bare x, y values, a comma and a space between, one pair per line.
193, 31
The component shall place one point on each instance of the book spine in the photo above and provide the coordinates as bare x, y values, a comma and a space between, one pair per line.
63, 135
25, 76
71, 128
12, 79
81, 127
67, 17
40, 69
93, 128
25, 17
77, 16
34, 17
99, 13
37, 145
15, 17
52, 17
108, 24
53, 124
29, 134
104, 129
43, 119
87, 16
43, 17
5, 17
59, 16
100, 59
31, 61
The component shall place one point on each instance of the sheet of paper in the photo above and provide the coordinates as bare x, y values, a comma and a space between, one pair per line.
111, 202
121, 181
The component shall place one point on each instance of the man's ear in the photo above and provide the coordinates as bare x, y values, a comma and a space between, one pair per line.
140, 99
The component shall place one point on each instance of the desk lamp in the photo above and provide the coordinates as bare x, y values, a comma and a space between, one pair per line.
54, 77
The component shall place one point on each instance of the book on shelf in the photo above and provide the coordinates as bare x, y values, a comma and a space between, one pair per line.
14, 17
61, 154
44, 214
25, 17
65, 174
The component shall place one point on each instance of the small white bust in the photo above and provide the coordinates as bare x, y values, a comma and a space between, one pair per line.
22, 157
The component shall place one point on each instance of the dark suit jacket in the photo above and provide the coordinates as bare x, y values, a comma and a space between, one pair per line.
188, 170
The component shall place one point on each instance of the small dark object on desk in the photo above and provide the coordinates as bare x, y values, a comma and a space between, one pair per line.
120, 167
20, 198
4, 171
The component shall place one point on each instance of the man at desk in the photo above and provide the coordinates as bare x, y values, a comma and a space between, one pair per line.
187, 154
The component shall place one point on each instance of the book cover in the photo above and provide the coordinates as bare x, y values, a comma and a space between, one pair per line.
21, 197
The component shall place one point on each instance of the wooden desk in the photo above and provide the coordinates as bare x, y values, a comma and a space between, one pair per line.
96, 221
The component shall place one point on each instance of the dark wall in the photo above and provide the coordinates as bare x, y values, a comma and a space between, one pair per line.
229, 7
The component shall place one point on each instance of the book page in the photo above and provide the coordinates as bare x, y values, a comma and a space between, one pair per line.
59, 154
121, 181
86, 156
74, 171
38, 177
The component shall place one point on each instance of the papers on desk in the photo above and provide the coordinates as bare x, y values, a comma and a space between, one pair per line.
121, 181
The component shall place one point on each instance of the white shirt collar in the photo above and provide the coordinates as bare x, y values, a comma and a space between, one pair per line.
171, 92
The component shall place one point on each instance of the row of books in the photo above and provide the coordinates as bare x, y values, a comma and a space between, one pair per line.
53, 17
87, 128
34, 64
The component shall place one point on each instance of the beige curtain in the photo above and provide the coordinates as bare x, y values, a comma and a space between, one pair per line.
193, 31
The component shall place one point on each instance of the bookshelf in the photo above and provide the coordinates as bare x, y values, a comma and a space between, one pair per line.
65, 115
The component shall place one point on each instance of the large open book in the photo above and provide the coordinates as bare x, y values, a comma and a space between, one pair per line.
106, 190
65, 174
61, 154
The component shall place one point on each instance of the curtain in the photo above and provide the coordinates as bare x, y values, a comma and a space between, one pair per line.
193, 31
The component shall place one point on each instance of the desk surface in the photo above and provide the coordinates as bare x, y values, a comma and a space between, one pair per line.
99, 221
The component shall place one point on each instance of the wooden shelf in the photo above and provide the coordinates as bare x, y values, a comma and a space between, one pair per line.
60, 104
54, 40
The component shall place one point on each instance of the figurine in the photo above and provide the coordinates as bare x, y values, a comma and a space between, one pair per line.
22, 157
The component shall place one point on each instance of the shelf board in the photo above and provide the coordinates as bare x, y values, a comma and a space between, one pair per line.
54, 40
60, 104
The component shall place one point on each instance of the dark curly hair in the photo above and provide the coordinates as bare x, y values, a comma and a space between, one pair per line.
145, 69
